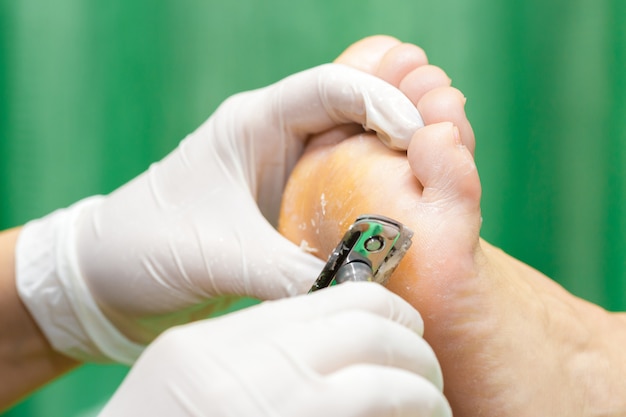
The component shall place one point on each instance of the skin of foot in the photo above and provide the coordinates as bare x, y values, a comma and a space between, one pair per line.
511, 342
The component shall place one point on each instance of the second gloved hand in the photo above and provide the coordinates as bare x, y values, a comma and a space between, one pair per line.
351, 350
162, 249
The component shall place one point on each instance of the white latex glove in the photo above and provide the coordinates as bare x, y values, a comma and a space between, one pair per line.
353, 350
161, 249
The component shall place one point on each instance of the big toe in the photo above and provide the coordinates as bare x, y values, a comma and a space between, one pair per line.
445, 168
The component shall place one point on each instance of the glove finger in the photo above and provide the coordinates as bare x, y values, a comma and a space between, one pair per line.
375, 391
367, 296
333, 94
347, 297
330, 343
298, 266
283, 269
255, 259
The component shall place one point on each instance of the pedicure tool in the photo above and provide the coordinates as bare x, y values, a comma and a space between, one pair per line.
370, 250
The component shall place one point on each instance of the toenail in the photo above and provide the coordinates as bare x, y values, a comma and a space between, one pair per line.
456, 134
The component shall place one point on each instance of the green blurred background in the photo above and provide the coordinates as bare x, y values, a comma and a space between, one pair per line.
92, 92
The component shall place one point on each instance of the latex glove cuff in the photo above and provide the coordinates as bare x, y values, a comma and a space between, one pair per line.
50, 284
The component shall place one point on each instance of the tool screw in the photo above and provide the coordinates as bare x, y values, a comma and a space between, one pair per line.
374, 243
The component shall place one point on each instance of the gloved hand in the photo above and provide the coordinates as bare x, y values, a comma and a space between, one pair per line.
350, 350
110, 273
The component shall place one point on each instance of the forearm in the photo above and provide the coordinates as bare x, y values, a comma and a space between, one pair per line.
27, 360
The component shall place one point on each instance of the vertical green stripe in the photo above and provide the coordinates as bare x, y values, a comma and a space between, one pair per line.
614, 272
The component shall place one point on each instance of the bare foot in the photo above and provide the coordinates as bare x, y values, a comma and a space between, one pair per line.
511, 342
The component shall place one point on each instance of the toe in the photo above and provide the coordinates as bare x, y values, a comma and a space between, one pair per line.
384, 56
366, 54
421, 80
447, 104
399, 61
445, 168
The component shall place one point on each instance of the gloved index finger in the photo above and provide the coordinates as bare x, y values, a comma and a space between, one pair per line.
349, 296
322, 97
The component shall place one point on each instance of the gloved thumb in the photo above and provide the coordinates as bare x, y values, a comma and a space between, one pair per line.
281, 268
